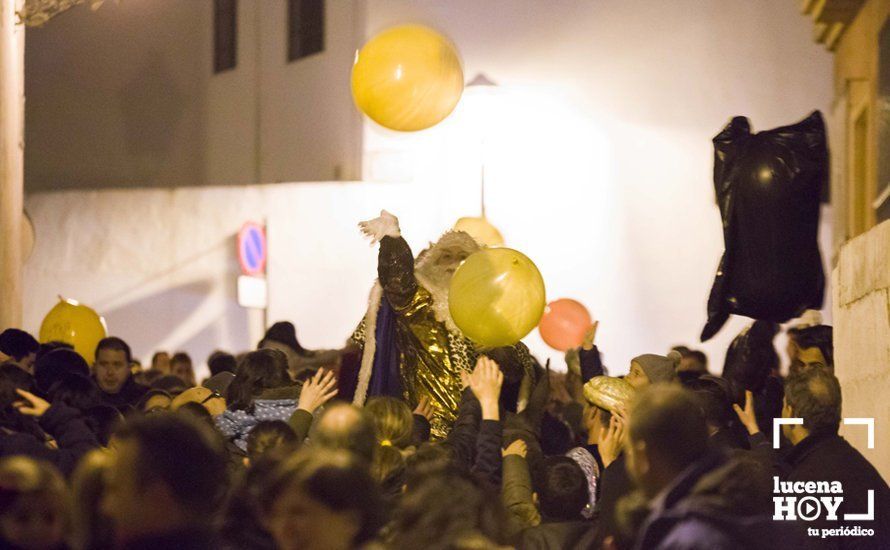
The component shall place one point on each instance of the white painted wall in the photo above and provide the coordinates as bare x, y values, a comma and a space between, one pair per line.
598, 163
599, 166
126, 97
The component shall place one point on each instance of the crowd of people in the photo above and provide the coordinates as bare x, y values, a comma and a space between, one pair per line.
270, 452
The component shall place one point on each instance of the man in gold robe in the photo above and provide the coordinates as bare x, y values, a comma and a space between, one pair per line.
424, 352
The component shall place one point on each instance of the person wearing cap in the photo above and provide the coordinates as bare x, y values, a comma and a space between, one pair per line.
283, 337
653, 369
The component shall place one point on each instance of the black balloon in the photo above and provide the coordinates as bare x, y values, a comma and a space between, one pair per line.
768, 187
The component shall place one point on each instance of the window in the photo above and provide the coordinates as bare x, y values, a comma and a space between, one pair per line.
305, 28
225, 35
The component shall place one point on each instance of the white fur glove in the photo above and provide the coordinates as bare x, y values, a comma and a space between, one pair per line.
386, 225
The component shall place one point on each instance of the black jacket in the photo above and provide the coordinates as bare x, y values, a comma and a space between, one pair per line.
718, 504
129, 395
828, 457
67, 427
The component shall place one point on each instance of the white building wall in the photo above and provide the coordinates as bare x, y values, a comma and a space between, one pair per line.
598, 159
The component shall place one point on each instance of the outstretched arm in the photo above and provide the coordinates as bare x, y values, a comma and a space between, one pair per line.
395, 264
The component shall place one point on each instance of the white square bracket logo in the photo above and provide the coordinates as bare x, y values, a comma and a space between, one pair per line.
870, 422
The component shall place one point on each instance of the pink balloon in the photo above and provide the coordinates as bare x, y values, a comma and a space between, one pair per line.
564, 323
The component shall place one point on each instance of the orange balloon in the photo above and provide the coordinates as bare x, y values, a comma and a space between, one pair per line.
564, 324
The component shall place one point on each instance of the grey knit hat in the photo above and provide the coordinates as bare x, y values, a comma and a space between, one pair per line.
659, 368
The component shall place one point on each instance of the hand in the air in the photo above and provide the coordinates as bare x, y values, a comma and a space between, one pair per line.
590, 336
485, 383
747, 416
386, 225
318, 390
610, 446
424, 408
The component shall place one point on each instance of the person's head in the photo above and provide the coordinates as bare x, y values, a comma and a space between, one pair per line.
112, 366
155, 401
196, 411
34, 504
91, 528
693, 361
392, 419
813, 394
161, 361
346, 428
596, 422
322, 500
53, 365
173, 385
20, 346
561, 489
282, 336
181, 367
556, 436
666, 433
220, 361
448, 508
259, 370
438, 263
168, 472
207, 398
75, 391
389, 470
653, 369
17, 376
751, 357
715, 401
814, 348
269, 435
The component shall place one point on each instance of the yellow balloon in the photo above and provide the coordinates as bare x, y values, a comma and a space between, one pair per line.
75, 324
497, 297
407, 78
481, 230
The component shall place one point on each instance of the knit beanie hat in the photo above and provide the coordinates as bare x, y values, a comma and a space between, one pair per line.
659, 368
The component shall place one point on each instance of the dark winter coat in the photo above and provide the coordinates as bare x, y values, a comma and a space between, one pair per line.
68, 428
717, 503
828, 457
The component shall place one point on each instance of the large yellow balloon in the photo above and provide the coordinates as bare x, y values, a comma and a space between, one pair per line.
407, 78
497, 297
481, 230
75, 324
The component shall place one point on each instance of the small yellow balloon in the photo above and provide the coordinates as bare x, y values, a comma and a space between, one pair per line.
75, 324
497, 297
407, 78
481, 230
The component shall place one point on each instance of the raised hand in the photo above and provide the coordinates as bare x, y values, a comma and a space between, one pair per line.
485, 383
518, 448
32, 405
386, 225
590, 336
610, 446
746, 415
424, 408
318, 390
